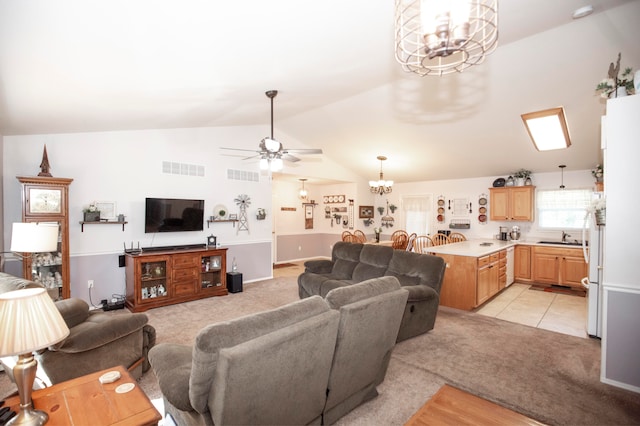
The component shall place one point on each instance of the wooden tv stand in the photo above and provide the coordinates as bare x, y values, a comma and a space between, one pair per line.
161, 278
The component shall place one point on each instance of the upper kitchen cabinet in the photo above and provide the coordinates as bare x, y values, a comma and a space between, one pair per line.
512, 203
46, 200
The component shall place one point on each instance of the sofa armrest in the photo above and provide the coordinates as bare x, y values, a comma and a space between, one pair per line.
420, 292
172, 366
321, 266
100, 329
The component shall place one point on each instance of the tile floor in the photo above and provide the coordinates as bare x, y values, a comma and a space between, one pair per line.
552, 311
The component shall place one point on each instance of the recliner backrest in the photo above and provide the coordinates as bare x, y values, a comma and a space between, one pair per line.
415, 269
269, 367
373, 263
370, 316
345, 257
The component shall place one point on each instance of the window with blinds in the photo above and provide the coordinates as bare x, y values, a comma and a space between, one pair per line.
562, 209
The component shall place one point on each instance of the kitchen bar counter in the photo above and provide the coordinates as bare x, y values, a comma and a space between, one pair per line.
472, 248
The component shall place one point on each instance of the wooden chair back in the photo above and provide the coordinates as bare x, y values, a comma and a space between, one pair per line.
421, 243
399, 240
456, 237
345, 234
440, 239
360, 235
412, 237
350, 238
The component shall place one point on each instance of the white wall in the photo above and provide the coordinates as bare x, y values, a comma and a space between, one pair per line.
472, 189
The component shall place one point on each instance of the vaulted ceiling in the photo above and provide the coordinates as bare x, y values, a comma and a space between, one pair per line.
87, 65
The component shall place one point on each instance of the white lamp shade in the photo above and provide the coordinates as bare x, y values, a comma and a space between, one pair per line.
34, 237
29, 321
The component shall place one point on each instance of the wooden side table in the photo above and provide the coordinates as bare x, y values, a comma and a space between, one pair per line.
86, 401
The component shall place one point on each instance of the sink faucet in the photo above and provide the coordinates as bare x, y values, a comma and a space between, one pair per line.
564, 236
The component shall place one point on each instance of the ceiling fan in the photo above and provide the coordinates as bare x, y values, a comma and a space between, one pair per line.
271, 152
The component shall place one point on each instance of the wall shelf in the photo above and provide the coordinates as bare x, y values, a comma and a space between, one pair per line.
224, 220
102, 222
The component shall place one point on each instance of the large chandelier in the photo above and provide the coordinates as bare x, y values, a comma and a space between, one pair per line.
444, 36
381, 186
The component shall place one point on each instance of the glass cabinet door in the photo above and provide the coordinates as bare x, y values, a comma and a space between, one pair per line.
154, 280
211, 271
48, 268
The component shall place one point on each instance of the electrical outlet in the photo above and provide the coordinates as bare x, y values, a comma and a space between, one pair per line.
90, 284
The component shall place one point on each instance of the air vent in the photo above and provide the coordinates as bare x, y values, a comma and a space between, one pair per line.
183, 169
243, 175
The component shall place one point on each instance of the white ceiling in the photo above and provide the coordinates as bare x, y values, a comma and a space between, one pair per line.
87, 65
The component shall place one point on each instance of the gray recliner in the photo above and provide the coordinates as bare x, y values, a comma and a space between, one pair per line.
97, 340
267, 368
370, 316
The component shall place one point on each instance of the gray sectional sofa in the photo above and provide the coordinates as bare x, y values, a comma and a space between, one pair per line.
308, 362
420, 274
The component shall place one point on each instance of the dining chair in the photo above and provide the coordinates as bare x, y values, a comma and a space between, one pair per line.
440, 239
412, 237
399, 239
345, 234
362, 238
456, 237
421, 243
350, 238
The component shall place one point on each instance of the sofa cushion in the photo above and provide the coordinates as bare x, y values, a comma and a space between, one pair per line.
214, 337
346, 257
415, 269
9, 282
373, 263
172, 366
74, 311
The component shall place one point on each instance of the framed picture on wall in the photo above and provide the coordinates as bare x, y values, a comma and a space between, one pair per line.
107, 209
365, 212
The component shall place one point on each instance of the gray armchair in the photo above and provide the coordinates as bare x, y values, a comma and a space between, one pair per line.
97, 340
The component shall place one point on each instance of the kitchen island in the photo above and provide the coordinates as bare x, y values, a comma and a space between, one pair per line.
476, 271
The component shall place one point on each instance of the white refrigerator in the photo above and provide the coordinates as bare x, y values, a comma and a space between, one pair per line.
594, 256
621, 273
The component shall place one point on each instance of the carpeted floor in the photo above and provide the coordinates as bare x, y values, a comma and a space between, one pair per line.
551, 377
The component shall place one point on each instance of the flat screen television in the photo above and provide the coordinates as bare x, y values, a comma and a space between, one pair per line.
173, 215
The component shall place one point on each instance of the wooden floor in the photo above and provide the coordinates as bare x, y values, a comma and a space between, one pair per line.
452, 406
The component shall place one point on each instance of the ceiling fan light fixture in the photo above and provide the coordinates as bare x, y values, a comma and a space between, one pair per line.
276, 164
437, 37
547, 129
271, 145
264, 164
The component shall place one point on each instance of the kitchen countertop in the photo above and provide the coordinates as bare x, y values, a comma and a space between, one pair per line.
473, 248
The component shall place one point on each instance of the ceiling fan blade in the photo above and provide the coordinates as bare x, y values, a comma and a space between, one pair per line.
304, 151
290, 158
240, 149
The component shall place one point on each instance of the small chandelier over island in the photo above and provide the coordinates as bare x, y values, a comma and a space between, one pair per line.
381, 186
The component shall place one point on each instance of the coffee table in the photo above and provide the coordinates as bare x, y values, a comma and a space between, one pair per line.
86, 401
452, 406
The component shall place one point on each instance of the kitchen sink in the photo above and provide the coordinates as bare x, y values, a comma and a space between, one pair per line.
566, 243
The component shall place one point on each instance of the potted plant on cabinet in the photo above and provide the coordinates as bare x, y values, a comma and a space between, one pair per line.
523, 176
91, 213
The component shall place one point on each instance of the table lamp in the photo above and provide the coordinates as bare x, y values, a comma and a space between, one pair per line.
29, 321
33, 237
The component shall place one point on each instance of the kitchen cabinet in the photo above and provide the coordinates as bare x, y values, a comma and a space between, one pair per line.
512, 203
470, 281
522, 265
559, 266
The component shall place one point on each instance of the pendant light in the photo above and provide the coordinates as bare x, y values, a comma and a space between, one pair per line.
381, 186
562, 166
303, 192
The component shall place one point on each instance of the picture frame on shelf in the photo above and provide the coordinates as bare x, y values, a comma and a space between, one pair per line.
107, 210
365, 212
